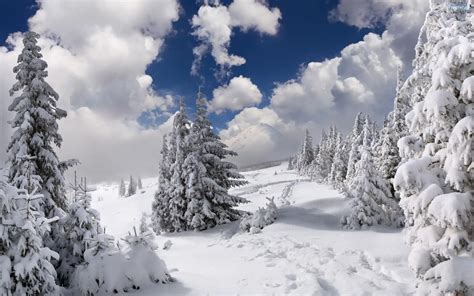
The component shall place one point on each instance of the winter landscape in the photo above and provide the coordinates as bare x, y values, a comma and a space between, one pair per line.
164, 147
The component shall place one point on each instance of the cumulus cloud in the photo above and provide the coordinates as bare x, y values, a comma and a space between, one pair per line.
361, 79
238, 94
214, 22
98, 68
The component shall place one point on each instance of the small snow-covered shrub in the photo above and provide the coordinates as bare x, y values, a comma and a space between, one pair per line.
111, 270
261, 218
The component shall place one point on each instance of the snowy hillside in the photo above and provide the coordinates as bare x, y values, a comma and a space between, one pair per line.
305, 252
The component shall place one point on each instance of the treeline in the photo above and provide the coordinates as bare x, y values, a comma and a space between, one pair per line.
422, 157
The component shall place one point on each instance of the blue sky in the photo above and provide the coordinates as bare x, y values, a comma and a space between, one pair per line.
305, 31
115, 63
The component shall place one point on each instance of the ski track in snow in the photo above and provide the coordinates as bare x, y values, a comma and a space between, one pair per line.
305, 252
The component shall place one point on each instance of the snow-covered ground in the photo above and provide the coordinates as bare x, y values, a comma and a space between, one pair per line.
305, 252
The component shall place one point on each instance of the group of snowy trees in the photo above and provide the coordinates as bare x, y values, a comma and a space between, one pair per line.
435, 178
422, 156
49, 242
194, 177
361, 166
133, 186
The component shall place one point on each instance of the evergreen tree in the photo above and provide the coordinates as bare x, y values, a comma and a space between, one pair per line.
36, 129
132, 186
371, 204
160, 212
176, 194
306, 155
31, 262
122, 188
435, 180
139, 183
321, 166
209, 176
80, 227
339, 164
355, 140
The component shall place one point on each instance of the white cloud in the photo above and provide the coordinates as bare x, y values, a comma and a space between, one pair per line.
238, 94
255, 14
97, 54
214, 22
260, 135
361, 79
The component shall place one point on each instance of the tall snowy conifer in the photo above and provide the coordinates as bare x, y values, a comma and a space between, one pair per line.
371, 204
209, 176
355, 140
435, 181
160, 215
36, 128
177, 186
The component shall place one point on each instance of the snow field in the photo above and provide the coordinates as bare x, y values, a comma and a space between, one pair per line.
305, 252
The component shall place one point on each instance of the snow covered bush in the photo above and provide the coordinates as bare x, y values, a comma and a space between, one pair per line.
108, 269
255, 222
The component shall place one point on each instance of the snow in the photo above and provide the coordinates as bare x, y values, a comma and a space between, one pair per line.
304, 252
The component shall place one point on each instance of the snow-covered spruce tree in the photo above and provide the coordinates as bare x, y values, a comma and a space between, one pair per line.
321, 165
339, 164
145, 265
354, 140
8, 194
209, 176
122, 188
132, 186
160, 212
371, 204
32, 271
80, 227
36, 128
435, 181
176, 203
139, 183
306, 155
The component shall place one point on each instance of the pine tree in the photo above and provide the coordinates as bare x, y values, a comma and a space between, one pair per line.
31, 261
160, 212
80, 227
36, 129
209, 176
139, 183
371, 203
435, 180
339, 164
306, 156
122, 188
132, 186
355, 141
8, 194
176, 193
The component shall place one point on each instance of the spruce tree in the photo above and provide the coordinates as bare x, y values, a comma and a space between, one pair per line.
307, 155
209, 176
132, 186
176, 193
139, 183
122, 188
80, 227
31, 262
160, 212
371, 203
355, 140
435, 180
339, 164
36, 129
